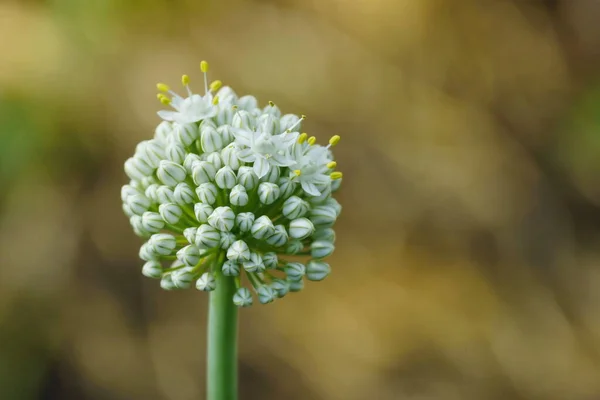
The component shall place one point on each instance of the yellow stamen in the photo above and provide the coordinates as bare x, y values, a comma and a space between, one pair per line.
216, 85
297, 172
312, 140
162, 87
335, 139
165, 100
234, 108
215, 100
271, 104
302, 138
204, 66
185, 80
331, 165
303, 117
336, 175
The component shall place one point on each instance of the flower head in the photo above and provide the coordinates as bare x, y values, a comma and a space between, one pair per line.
226, 189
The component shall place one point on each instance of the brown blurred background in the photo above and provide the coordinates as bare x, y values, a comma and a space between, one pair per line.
468, 253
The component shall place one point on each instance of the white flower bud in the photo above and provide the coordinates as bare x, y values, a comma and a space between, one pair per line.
227, 96
137, 169
271, 176
207, 193
247, 103
165, 194
225, 114
301, 228
151, 192
226, 133
242, 298
317, 270
162, 243
182, 278
138, 203
175, 152
184, 194
266, 294
267, 123
189, 161
170, 212
203, 172
147, 254
207, 237
262, 228
152, 269
127, 210
321, 249
190, 234
136, 223
128, 190
238, 251
279, 237
152, 222
151, 151
289, 121
238, 196
148, 181
167, 282
272, 110
323, 215
325, 234
294, 207
189, 255
325, 194
254, 264
244, 221
225, 178
207, 123
163, 131
280, 287
294, 247
211, 140
215, 159
231, 268
202, 211
170, 173
296, 286
222, 218
270, 260
206, 282
187, 133
335, 184
227, 239
229, 157
243, 119
268, 192
333, 203
287, 187
295, 271
247, 178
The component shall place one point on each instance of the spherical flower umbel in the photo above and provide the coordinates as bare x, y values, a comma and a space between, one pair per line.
229, 190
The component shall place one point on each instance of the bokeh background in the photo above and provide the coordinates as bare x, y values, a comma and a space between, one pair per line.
468, 254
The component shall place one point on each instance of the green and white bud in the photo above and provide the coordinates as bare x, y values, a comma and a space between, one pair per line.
148, 181
189, 255
271, 176
296, 286
272, 110
229, 157
321, 249
189, 162
207, 123
203, 172
325, 194
247, 178
215, 159
280, 287
167, 282
206, 282
127, 210
242, 298
230, 268
170, 212
247, 103
294, 247
165, 194
170, 173
238, 196
207, 237
266, 294
163, 131
187, 133
152, 269
317, 270
203, 211
254, 263
289, 121
244, 221
279, 237
184, 194
162, 243
267, 123
227, 239
138, 204
225, 178
262, 228
147, 254
335, 185
226, 133
238, 251
190, 234
323, 216
243, 119
268, 192
151, 152
333, 203
301, 228
325, 234
151, 192
211, 140
294, 207
152, 222
286, 186
225, 114
136, 169
207, 193
182, 278
270, 260
222, 218
295, 271
128, 190
175, 152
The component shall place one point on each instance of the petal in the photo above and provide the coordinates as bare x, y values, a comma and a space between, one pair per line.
310, 188
281, 160
289, 138
261, 166
243, 136
246, 155
167, 115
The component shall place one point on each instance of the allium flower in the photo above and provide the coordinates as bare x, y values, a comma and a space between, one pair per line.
226, 188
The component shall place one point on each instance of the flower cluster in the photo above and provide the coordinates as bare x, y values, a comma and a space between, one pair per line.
226, 188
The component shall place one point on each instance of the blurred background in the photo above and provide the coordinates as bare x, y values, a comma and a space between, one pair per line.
468, 252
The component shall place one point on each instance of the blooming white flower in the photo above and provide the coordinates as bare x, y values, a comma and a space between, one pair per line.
189, 109
264, 149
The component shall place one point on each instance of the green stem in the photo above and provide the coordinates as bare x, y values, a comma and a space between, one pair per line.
222, 341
